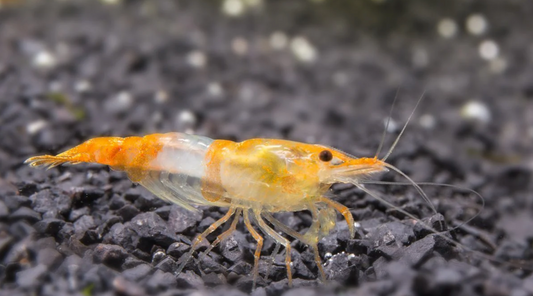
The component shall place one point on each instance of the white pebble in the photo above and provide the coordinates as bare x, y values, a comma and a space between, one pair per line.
488, 49
392, 125
328, 255
120, 103
82, 86
357, 224
233, 7
44, 60
111, 2
239, 46
476, 110
278, 40
303, 50
214, 89
476, 24
427, 121
161, 97
35, 126
187, 117
197, 59
447, 28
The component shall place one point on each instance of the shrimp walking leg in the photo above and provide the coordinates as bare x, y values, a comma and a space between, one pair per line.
226, 233
344, 211
314, 247
199, 238
278, 238
259, 239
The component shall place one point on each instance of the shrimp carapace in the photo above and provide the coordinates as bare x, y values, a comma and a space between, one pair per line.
254, 178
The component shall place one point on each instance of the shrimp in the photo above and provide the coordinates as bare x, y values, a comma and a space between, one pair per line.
253, 178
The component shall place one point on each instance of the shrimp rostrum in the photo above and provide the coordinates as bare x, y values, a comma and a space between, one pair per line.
254, 178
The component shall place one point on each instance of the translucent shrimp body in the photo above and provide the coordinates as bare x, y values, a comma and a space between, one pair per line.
255, 177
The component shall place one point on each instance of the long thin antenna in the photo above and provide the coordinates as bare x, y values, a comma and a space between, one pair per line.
482, 200
404, 127
384, 135
415, 185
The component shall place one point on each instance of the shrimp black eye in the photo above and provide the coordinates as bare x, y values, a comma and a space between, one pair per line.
325, 155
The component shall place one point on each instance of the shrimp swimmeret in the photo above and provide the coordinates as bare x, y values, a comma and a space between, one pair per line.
255, 178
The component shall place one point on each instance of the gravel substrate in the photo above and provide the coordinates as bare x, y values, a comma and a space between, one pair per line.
313, 71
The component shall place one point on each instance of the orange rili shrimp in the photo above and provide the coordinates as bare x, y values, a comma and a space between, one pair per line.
256, 177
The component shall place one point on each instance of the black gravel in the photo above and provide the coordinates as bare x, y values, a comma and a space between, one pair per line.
72, 70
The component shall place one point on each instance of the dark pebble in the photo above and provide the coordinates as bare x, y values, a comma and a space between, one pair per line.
21, 229
49, 257
111, 255
181, 220
329, 244
43, 243
98, 277
49, 226
389, 233
83, 224
132, 262
138, 272
142, 200
177, 249
161, 281
233, 247
342, 268
205, 223
127, 287
71, 263
301, 292
77, 213
277, 288
436, 222
66, 232
4, 211
122, 235
87, 195
210, 263
510, 250
31, 277
152, 227
51, 202
167, 265
127, 212
116, 202
164, 212
300, 270
213, 279
25, 214
27, 188
14, 202
417, 252
5, 243
189, 279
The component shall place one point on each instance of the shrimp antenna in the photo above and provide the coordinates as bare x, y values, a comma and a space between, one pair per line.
472, 191
404, 127
384, 135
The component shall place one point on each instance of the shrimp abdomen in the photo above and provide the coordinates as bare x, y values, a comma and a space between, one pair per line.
171, 152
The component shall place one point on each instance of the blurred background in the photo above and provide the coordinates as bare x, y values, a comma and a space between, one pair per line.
322, 71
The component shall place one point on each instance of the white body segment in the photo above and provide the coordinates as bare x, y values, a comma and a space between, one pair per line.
181, 163
183, 153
